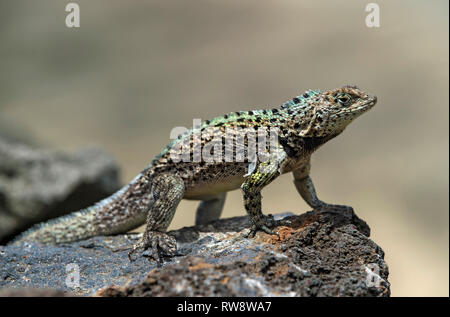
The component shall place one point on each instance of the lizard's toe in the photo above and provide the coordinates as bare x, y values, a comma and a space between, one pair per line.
135, 247
333, 209
264, 224
268, 231
160, 243
167, 244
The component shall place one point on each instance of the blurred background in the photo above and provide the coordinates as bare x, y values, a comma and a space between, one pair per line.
134, 70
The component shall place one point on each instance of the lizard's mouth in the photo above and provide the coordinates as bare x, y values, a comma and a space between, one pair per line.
366, 105
372, 100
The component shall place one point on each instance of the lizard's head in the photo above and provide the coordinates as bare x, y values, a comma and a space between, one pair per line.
328, 113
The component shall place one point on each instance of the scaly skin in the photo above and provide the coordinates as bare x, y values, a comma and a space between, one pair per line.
304, 124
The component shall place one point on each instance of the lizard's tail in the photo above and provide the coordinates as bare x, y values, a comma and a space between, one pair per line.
109, 216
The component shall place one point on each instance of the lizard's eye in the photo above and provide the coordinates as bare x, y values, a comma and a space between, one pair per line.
344, 99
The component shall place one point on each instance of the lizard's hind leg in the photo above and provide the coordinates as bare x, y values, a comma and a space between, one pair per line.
167, 191
210, 210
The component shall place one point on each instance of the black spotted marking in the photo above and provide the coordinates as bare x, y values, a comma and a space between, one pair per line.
290, 151
312, 143
296, 100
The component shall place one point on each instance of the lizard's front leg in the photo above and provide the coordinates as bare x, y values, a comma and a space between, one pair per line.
263, 174
305, 187
167, 191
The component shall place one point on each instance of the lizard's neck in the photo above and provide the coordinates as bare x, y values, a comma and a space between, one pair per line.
297, 146
313, 143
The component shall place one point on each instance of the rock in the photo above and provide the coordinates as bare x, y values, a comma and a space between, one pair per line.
12, 132
37, 184
32, 292
317, 254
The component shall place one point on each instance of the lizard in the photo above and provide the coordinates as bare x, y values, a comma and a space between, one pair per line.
304, 123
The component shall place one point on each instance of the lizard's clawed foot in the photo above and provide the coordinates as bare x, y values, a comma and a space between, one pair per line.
333, 209
262, 224
161, 244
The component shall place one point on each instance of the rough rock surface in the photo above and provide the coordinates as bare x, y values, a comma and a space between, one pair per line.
37, 184
317, 254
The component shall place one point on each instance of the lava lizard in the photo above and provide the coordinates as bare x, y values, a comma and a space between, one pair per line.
303, 123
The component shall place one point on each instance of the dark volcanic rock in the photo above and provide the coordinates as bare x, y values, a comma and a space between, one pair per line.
37, 184
317, 254
32, 292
